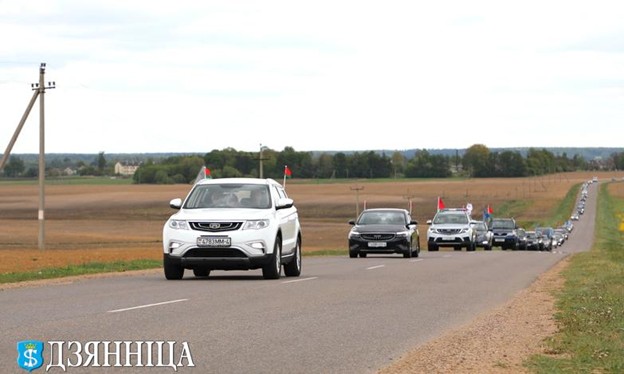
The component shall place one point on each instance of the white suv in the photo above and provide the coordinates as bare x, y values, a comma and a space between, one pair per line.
233, 224
451, 228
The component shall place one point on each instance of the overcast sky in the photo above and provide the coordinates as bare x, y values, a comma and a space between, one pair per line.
193, 76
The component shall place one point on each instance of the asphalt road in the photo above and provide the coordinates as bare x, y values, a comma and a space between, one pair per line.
341, 316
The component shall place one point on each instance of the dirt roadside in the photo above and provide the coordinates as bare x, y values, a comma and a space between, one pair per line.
497, 341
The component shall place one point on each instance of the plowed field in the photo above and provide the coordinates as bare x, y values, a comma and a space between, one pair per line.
88, 223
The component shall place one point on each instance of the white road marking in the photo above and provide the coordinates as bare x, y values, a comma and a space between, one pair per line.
299, 280
417, 260
147, 306
375, 267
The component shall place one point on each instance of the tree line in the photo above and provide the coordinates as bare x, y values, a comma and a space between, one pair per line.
477, 161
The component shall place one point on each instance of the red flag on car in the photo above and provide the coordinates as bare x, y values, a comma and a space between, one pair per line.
440, 203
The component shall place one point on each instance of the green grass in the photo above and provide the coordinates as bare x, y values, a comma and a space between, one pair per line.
591, 305
87, 268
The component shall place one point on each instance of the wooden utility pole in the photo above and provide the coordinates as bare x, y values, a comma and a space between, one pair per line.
357, 190
260, 158
39, 89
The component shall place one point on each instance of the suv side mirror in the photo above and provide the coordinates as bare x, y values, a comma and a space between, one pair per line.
175, 203
284, 203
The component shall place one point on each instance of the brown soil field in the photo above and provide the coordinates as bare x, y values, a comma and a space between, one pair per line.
91, 223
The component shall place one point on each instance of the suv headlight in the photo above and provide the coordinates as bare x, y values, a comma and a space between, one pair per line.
256, 224
402, 234
354, 234
178, 224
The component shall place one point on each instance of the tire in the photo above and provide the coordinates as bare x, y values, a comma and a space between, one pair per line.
201, 273
408, 254
273, 269
293, 268
172, 270
353, 254
471, 247
432, 248
487, 248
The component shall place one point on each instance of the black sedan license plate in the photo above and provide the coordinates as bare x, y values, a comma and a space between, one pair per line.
214, 241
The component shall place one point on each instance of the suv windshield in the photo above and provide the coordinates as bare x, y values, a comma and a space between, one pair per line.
503, 224
458, 218
253, 196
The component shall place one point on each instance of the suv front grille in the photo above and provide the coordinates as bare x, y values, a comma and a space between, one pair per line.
449, 231
377, 236
215, 226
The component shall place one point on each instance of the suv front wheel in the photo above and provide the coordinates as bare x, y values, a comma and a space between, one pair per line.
172, 270
273, 269
293, 268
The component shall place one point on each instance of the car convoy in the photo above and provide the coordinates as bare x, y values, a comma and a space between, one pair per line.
251, 223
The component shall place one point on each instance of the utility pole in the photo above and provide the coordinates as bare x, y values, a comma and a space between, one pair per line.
409, 198
39, 89
357, 190
262, 148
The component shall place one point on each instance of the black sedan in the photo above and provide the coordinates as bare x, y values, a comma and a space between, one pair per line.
384, 231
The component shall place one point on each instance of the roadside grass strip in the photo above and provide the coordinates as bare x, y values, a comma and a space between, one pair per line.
82, 269
591, 305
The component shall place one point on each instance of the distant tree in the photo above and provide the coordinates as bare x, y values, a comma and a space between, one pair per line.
511, 164
101, 162
475, 161
340, 165
325, 166
14, 168
540, 162
618, 160
426, 165
398, 164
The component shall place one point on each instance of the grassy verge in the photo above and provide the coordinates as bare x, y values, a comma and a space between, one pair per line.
88, 268
591, 306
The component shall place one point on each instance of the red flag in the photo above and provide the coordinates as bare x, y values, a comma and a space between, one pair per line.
207, 172
440, 203
489, 209
287, 171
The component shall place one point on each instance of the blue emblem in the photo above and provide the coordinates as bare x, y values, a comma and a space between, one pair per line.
30, 354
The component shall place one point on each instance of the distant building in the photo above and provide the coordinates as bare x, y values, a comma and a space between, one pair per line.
69, 171
126, 168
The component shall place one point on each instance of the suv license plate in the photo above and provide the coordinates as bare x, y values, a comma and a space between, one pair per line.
377, 244
214, 241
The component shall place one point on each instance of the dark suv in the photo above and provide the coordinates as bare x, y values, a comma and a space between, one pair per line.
504, 233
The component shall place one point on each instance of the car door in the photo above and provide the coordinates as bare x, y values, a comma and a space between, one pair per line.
289, 221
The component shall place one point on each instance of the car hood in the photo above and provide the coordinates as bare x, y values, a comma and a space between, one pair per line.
379, 228
216, 214
449, 226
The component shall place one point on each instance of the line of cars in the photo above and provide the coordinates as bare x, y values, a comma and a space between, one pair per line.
250, 223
